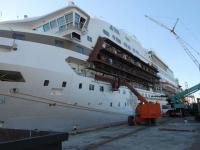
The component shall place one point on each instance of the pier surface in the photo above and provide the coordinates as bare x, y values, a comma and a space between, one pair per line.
169, 133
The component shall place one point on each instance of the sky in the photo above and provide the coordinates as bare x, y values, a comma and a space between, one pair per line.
129, 16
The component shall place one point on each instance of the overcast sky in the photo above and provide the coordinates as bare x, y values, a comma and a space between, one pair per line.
129, 15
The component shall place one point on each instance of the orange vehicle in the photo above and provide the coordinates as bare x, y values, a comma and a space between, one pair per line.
146, 112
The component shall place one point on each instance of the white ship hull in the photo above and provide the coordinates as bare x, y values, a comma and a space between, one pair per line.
31, 105
20, 113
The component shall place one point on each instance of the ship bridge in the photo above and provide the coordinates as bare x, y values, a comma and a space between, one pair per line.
70, 22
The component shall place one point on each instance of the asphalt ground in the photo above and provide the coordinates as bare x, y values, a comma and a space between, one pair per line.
169, 133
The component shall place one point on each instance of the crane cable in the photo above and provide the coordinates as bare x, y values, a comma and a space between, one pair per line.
182, 42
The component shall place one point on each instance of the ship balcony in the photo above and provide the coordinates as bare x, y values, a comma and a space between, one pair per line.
111, 59
68, 29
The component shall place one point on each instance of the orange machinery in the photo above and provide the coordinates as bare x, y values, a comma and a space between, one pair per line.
146, 112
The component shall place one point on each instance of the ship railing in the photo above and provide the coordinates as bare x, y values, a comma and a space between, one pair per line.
68, 27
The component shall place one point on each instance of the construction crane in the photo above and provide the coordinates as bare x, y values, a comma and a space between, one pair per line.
176, 100
146, 112
182, 42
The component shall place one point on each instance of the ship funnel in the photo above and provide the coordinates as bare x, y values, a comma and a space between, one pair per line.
71, 3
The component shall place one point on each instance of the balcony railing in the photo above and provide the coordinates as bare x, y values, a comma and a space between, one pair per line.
70, 26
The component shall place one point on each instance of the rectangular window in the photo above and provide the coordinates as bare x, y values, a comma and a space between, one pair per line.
40, 29
111, 27
76, 36
69, 18
11, 76
118, 40
53, 24
46, 82
61, 21
18, 36
113, 37
64, 84
77, 18
59, 43
46, 27
126, 45
106, 32
89, 38
116, 31
91, 87
80, 86
101, 88
79, 49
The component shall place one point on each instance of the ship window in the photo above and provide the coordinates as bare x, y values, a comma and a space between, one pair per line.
64, 84
69, 18
53, 24
125, 104
59, 43
61, 21
18, 36
11, 76
77, 20
118, 40
125, 44
82, 21
106, 32
116, 31
113, 37
40, 29
80, 85
111, 27
46, 82
91, 87
89, 38
111, 104
79, 49
101, 88
46, 27
76, 36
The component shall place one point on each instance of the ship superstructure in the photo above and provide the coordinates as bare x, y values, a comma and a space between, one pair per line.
63, 70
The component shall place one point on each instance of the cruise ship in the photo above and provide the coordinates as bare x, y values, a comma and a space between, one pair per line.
63, 70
